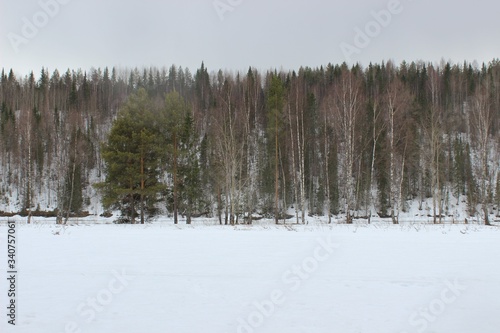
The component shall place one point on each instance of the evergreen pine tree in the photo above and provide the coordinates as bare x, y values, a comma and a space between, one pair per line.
189, 169
275, 104
173, 118
132, 156
459, 169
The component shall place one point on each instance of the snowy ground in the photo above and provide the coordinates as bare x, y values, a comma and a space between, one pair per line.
214, 279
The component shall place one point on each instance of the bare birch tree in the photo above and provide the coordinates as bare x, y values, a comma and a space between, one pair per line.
482, 121
347, 104
397, 102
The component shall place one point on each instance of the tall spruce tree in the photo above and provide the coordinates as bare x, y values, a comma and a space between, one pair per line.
132, 156
275, 104
189, 169
173, 117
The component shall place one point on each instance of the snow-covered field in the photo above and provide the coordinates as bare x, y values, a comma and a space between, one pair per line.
217, 279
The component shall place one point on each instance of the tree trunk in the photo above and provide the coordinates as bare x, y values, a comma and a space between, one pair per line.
72, 189
327, 173
276, 171
29, 173
175, 181
283, 189
132, 205
142, 189
226, 213
486, 213
219, 205
294, 168
372, 167
73, 170
392, 175
300, 146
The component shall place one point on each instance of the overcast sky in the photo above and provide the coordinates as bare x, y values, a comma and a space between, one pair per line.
236, 34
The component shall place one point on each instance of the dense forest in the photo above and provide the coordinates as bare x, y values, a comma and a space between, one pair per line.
329, 141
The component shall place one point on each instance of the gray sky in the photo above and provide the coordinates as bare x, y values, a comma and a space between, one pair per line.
242, 33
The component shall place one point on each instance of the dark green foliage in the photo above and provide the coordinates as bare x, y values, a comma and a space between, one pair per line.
174, 128
176, 137
311, 153
73, 196
464, 183
133, 156
472, 190
73, 96
275, 103
334, 181
459, 169
382, 167
3, 117
189, 169
275, 123
320, 200
463, 178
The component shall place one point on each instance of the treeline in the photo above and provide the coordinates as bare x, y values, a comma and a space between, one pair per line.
333, 140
